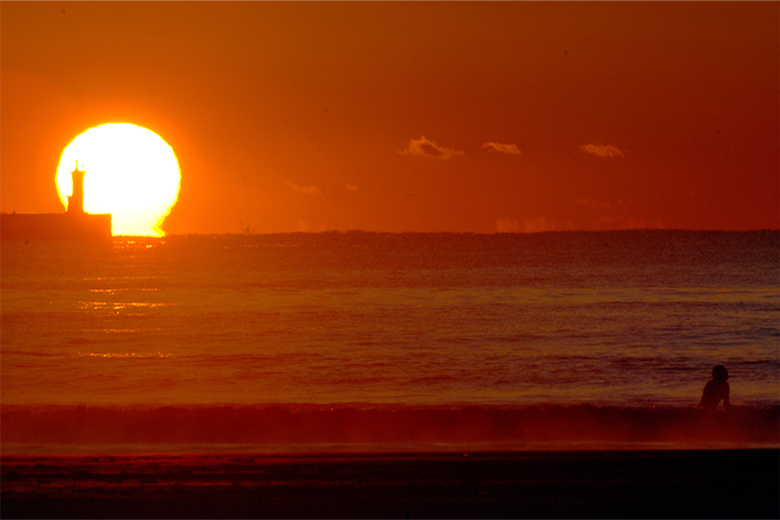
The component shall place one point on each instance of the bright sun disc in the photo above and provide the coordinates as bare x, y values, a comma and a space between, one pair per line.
131, 173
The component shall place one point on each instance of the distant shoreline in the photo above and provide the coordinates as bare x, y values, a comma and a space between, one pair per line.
463, 233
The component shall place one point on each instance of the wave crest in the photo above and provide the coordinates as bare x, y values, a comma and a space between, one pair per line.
382, 428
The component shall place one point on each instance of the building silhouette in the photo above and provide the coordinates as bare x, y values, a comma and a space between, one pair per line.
74, 224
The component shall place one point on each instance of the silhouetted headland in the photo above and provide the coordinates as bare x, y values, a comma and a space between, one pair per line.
74, 224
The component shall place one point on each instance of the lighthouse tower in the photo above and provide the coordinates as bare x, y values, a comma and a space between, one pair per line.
76, 200
72, 225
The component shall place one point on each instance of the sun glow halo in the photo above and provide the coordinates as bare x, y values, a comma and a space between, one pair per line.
131, 173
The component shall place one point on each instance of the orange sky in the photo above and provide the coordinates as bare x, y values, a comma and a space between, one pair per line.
477, 117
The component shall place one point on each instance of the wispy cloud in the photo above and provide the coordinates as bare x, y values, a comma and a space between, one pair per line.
532, 225
507, 225
510, 149
602, 150
537, 225
597, 203
426, 148
352, 187
307, 190
586, 202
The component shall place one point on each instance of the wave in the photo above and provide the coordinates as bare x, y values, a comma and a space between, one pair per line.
282, 428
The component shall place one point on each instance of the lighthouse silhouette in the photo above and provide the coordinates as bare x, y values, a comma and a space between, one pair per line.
74, 224
76, 199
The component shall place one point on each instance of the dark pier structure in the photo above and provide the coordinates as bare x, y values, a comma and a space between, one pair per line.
72, 225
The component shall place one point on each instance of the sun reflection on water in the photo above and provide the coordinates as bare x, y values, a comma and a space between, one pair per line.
121, 305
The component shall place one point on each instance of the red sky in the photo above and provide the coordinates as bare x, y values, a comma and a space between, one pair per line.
476, 117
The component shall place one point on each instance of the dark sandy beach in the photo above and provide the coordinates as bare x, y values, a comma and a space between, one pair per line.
586, 484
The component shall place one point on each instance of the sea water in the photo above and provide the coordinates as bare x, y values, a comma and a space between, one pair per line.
356, 321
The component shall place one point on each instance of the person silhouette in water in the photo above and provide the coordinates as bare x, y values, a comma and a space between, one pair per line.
716, 389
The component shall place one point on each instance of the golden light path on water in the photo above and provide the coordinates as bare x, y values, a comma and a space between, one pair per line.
131, 172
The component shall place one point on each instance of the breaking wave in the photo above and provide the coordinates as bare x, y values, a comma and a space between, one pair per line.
287, 428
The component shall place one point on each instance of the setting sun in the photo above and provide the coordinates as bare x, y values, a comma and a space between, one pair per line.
131, 173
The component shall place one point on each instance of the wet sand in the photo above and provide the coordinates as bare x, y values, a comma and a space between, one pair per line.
585, 484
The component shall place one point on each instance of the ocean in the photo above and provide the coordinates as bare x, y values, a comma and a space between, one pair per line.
241, 342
